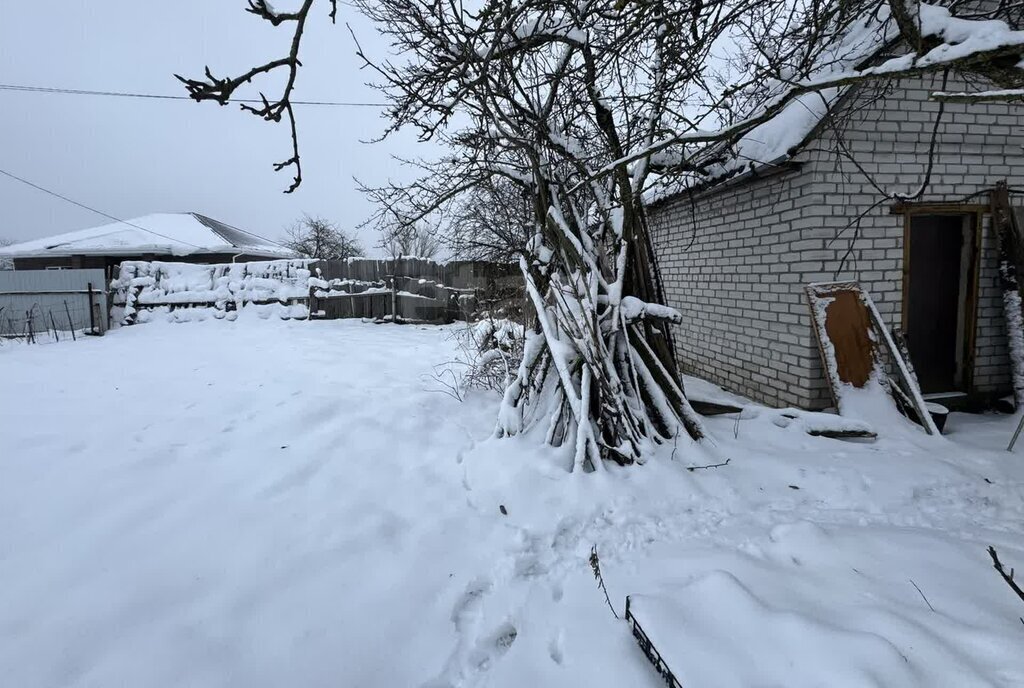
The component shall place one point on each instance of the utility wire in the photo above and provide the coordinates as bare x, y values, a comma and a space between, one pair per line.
158, 96
93, 210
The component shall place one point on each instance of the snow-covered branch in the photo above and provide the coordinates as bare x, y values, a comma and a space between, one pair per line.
1002, 95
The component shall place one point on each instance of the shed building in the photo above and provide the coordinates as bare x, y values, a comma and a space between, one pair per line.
809, 197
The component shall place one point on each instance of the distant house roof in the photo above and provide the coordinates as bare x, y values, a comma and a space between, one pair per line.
176, 234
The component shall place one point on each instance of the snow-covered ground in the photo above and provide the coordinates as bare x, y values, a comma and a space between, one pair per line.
270, 503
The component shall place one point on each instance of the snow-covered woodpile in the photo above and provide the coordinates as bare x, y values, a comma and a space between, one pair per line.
224, 288
357, 288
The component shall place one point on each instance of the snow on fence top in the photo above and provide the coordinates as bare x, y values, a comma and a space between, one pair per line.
150, 284
457, 274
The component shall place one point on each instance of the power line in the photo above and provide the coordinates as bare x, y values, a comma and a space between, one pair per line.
98, 212
159, 96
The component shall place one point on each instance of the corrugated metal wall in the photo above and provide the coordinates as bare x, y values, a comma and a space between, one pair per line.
42, 299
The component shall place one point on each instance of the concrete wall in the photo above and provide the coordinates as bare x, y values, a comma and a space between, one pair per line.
735, 259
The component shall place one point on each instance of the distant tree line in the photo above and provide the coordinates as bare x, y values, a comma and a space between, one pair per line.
315, 237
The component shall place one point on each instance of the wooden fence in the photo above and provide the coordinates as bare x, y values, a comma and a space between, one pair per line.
418, 290
462, 274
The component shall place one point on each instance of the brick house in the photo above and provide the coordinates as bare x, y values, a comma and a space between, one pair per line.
736, 252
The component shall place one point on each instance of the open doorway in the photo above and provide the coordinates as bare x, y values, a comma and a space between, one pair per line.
938, 291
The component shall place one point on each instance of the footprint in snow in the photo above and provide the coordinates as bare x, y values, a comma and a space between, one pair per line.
555, 647
475, 653
493, 646
467, 608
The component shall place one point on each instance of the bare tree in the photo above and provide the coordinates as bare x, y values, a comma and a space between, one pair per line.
315, 237
492, 222
582, 107
415, 240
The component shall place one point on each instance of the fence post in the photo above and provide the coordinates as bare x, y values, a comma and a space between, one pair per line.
71, 323
92, 314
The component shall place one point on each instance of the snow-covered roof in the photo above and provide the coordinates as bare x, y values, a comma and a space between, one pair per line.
776, 140
176, 234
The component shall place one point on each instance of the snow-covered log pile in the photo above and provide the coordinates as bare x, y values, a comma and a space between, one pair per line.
219, 289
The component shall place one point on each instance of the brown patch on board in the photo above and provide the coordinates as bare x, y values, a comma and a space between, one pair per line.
851, 341
847, 325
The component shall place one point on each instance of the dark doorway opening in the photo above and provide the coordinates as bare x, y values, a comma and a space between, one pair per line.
938, 318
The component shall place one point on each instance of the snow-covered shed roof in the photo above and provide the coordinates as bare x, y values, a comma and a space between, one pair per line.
859, 50
774, 141
176, 234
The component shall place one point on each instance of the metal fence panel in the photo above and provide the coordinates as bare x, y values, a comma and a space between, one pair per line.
43, 299
51, 280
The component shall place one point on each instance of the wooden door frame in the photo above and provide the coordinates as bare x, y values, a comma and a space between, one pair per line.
977, 212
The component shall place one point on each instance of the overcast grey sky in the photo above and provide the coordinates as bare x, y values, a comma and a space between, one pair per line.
131, 157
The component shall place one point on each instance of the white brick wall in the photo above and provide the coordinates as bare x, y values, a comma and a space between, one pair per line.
735, 260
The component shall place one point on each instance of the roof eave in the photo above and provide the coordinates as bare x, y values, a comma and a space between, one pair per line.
776, 167
142, 250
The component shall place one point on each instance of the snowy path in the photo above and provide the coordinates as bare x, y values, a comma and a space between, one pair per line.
283, 503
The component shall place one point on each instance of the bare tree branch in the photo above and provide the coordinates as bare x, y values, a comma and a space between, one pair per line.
1010, 95
6, 263
220, 90
1007, 577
